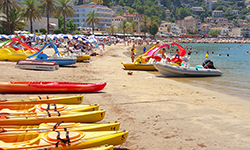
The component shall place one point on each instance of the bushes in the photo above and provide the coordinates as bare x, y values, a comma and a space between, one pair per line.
57, 31
43, 31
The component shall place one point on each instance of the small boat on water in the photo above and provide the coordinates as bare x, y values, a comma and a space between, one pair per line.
55, 58
50, 87
37, 65
169, 70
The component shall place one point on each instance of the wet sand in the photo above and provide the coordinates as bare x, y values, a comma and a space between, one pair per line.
158, 112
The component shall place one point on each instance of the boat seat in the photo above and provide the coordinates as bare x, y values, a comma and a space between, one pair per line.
41, 56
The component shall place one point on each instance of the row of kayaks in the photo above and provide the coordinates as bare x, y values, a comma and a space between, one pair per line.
56, 126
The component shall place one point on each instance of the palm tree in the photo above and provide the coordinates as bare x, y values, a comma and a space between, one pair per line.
111, 30
168, 28
134, 27
123, 26
31, 12
145, 21
151, 22
65, 9
92, 18
6, 5
48, 7
15, 21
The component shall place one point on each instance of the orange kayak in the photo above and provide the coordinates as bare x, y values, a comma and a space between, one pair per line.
16, 109
45, 100
50, 87
41, 117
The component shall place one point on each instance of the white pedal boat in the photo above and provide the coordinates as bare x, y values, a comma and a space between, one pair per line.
37, 65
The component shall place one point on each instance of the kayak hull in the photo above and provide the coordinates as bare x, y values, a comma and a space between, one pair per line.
26, 109
49, 87
51, 140
42, 117
45, 100
46, 127
133, 66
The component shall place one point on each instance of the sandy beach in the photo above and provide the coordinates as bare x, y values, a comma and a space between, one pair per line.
158, 112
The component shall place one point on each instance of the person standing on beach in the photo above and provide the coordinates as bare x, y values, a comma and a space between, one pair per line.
144, 49
132, 55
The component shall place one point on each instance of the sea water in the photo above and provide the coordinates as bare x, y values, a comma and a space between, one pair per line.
235, 79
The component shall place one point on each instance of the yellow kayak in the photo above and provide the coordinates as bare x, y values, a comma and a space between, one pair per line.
62, 140
45, 100
103, 147
22, 109
46, 127
83, 57
41, 117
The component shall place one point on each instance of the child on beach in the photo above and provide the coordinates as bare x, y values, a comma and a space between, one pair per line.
144, 49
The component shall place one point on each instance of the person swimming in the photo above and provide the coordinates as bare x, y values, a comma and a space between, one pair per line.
247, 53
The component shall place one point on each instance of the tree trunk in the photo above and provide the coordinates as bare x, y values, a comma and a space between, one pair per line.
93, 27
8, 19
31, 26
64, 24
47, 18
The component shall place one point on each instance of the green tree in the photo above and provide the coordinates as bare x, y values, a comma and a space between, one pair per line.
111, 30
121, 3
92, 19
65, 9
168, 28
124, 27
71, 26
134, 27
212, 33
154, 29
31, 12
131, 10
196, 31
144, 21
15, 21
57, 31
43, 31
6, 5
48, 7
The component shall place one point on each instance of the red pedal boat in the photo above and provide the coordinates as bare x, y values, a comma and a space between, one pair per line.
50, 87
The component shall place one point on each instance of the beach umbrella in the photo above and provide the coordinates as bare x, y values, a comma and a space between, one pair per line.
3, 37
11, 36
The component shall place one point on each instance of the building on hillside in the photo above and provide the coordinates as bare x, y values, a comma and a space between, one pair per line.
198, 9
247, 17
222, 22
209, 20
81, 11
235, 12
237, 32
173, 30
247, 2
189, 23
117, 20
119, 9
218, 14
135, 17
208, 4
167, 12
241, 21
42, 23
205, 28
223, 31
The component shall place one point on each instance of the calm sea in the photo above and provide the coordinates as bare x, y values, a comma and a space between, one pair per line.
235, 67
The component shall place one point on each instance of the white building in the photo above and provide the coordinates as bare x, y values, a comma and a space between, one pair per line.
81, 12
117, 20
42, 23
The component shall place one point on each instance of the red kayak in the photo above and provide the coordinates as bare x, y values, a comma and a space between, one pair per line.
49, 87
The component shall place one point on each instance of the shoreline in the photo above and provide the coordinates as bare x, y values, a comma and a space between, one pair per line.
158, 112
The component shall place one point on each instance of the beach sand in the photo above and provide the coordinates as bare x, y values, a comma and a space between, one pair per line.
158, 112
